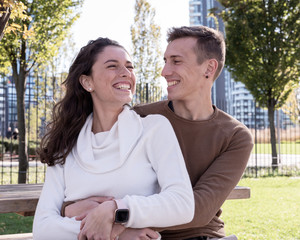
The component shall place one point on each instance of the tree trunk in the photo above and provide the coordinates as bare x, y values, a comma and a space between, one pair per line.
273, 137
3, 19
20, 84
23, 156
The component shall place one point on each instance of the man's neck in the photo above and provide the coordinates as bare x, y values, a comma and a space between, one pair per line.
193, 110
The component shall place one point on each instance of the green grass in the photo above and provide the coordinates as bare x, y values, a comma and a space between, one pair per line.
285, 148
13, 223
10, 175
272, 212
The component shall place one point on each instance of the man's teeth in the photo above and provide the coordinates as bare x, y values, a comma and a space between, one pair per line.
172, 83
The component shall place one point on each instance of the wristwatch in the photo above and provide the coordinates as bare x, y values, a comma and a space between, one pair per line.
121, 213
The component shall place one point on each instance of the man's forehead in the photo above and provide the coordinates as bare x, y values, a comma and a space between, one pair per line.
180, 47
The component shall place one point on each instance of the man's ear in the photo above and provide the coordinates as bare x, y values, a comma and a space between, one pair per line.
86, 83
212, 67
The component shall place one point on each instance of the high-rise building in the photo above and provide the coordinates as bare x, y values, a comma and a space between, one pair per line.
199, 15
228, 95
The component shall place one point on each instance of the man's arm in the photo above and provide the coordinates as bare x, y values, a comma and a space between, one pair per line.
214, 186
83, 206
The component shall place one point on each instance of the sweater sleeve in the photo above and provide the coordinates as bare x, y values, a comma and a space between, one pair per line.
48, 223
212, 189
175, 203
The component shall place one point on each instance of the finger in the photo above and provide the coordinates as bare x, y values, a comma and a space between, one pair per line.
81, 236
152, 234
116, 231
101, 199
82, 224
81, 217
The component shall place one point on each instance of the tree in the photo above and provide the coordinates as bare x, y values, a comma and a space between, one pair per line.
147, 57
11, 9
263, 51
50, 22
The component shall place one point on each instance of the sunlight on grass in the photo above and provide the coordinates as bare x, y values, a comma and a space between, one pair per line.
272, 212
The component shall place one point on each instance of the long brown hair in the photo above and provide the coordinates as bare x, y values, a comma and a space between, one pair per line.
70, 114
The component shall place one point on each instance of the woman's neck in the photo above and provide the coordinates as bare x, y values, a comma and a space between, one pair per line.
104, 119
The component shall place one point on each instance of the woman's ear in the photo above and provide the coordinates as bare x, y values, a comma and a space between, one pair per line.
86, 83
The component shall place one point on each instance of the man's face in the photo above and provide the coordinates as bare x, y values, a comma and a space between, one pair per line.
184, 75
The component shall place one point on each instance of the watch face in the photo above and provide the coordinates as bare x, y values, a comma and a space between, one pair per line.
121, 216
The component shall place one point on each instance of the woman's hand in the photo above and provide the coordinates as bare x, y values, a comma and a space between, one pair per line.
98, 223
139, 234
83, 207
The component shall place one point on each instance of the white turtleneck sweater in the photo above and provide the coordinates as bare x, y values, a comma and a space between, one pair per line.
139, 161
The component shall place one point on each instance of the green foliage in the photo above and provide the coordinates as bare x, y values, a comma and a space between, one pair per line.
147, 56
270, 213
48, 23
263, 49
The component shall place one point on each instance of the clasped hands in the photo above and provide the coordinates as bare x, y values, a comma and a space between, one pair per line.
97, 221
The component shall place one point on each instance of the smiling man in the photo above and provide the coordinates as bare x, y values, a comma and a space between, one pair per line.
216, 147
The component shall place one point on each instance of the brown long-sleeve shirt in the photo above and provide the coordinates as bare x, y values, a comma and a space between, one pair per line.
216, 152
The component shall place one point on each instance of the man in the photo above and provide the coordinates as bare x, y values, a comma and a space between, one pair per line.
215, 146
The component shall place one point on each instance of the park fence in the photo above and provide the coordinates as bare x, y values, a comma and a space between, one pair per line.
42, 92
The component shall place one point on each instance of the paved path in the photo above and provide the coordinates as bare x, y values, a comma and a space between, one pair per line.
265, 160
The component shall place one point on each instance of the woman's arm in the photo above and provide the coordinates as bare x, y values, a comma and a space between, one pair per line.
48, 223
175, 203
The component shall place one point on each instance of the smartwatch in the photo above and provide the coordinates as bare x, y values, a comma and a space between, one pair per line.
121, 213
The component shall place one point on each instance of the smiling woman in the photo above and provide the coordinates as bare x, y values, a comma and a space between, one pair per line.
115, 168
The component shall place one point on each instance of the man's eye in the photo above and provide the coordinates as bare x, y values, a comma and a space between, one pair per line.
176, 61
130, 67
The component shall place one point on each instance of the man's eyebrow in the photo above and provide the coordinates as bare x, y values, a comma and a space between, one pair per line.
173, 56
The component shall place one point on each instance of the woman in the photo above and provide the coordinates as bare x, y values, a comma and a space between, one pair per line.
97, 146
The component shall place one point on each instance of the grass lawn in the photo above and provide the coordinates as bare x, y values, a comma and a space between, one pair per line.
271, 213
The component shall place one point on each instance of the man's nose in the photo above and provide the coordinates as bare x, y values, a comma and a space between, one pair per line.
166, 71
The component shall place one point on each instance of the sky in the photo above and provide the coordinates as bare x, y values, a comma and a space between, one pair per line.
113, 18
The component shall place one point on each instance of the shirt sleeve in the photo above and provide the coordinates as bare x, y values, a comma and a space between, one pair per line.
214, 186
175, 203
48, 223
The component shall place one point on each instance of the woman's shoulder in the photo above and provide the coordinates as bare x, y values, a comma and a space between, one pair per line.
155, 121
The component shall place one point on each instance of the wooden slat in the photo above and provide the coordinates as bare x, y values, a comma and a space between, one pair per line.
23, 236
239, 192
23, 198
19, 197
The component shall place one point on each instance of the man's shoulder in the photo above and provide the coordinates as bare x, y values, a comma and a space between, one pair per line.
230, 125
150, 108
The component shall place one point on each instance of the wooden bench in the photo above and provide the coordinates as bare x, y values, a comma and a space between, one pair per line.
21, 236
23, 198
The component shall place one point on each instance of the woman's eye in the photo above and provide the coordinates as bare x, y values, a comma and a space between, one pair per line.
130, 67
111, 66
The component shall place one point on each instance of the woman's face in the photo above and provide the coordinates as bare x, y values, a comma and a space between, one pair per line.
112, 81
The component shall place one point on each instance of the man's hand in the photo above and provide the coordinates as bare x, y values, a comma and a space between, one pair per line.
83, 207
139, 234
98, 223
